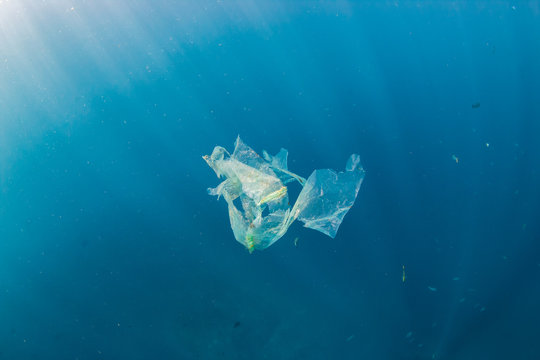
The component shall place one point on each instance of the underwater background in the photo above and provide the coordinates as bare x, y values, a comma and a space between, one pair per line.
111, 248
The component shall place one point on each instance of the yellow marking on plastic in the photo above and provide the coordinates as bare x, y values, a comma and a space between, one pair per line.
250, 243
276, 195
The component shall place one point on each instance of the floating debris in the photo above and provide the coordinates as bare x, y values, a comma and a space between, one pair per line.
432, 288
259, 183
409, 337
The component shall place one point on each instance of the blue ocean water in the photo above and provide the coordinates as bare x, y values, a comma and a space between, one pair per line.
110, 247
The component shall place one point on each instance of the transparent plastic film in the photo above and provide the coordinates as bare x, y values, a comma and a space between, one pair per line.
260, 183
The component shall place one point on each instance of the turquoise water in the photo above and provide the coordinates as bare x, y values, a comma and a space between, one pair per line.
110, 247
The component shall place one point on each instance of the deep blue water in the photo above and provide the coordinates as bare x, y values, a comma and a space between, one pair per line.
110, 247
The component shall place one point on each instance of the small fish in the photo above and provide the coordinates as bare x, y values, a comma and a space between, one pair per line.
476, 105
455, 278
350, 338
455, 158
432, 288
403, 277
296, 242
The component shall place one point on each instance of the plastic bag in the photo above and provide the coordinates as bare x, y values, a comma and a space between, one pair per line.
256, 185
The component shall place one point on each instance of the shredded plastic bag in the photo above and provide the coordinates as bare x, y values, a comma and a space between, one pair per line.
255, 185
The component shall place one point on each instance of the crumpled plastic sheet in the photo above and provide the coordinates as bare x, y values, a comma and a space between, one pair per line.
254, 184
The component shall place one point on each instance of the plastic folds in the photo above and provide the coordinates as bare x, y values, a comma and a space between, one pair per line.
258, 201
